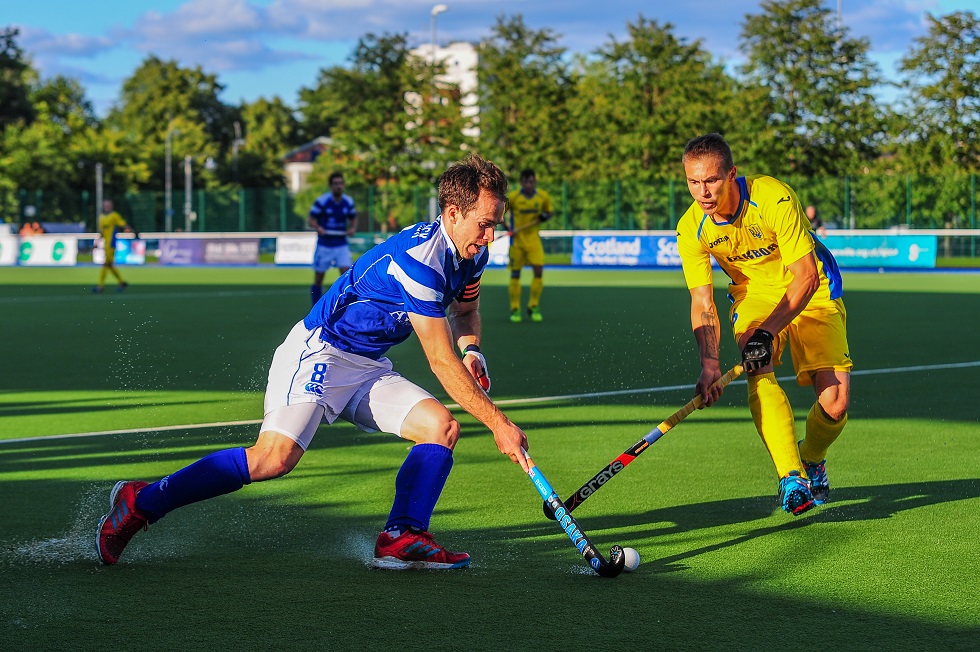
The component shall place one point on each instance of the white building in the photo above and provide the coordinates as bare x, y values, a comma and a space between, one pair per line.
460, 60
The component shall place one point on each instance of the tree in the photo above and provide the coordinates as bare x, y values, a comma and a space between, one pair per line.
16, 78
161, 96
824, 119
270, 131
392, 125
942, 127
525, 85
642, 100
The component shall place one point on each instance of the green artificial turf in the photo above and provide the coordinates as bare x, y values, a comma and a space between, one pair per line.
889, 564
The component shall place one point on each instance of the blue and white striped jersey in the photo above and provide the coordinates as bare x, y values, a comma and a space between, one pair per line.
365, 311
332, 215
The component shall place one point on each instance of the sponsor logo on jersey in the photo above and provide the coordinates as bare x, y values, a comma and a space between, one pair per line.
314, 388
754, 254
714, 243
786, 198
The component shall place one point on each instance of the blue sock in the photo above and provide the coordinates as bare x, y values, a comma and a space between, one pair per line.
418, 486
316, 291
218, 473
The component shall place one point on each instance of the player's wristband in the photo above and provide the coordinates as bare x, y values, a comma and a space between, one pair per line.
471, 348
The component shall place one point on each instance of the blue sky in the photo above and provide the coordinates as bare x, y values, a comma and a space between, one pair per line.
274, 47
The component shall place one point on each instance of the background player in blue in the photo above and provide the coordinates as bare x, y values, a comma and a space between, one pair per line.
332, 364
334, 217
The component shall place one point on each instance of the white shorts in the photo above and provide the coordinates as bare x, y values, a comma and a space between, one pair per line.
311, 382
326, 257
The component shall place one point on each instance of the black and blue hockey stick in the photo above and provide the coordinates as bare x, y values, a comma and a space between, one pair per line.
579, 539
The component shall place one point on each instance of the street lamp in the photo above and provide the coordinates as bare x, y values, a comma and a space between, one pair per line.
98, 190
189, 214
168, 211
436, 10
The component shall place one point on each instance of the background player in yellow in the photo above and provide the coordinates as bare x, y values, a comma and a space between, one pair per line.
785, 289
110, 223
528, 208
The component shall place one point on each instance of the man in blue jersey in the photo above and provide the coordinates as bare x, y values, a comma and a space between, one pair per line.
426, 280
333, 217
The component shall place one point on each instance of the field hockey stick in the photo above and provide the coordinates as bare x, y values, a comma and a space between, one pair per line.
334, 232
579, 539
631, 453
522, 227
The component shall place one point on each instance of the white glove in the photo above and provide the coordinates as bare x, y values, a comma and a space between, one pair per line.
483, 376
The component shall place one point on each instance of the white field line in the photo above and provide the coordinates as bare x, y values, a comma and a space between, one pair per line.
85, 295
513, 402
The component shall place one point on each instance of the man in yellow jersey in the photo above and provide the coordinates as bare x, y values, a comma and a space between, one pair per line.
528, 208
785, 289
110, 222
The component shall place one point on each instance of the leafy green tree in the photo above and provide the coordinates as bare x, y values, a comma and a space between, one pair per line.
643, 100
392, 125
161, 96
270, 130
941, 131
16, 78
823, 117
525, 86
637, 103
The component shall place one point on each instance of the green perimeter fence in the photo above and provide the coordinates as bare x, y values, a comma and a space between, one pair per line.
857, 202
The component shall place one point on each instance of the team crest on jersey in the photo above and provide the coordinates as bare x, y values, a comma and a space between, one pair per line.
755, 231
400, 316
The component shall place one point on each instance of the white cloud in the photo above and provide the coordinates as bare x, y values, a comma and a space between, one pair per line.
43, 43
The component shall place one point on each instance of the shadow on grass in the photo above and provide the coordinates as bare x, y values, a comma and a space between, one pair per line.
259, 572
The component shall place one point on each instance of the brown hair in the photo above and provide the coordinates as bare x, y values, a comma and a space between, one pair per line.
709, 145
461, 184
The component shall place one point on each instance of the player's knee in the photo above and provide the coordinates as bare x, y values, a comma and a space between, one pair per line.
437, 428
835, 409
267, 462
444, 431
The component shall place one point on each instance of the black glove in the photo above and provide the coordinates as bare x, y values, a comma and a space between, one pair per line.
758, 350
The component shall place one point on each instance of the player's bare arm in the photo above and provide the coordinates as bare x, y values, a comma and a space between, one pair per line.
466, 327
707, 333
352, 224
435, 335
315, 225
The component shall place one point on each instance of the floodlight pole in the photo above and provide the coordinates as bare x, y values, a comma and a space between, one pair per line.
436, 10
98, 190
168, 210
188, 191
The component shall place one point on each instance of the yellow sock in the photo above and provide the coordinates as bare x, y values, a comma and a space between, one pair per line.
537, 285
773, 418
821, 432
116, 273
514, 290
102, 274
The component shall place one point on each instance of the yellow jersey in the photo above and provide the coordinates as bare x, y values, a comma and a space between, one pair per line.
526, 211
769, 232
109, 225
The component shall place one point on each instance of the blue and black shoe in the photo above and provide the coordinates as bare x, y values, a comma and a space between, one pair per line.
819, 484
794, 493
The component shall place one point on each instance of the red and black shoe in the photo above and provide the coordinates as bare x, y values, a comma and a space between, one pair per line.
415, 549
122, 522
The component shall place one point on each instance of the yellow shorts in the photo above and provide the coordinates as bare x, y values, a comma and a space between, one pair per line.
817, 337
526, 251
